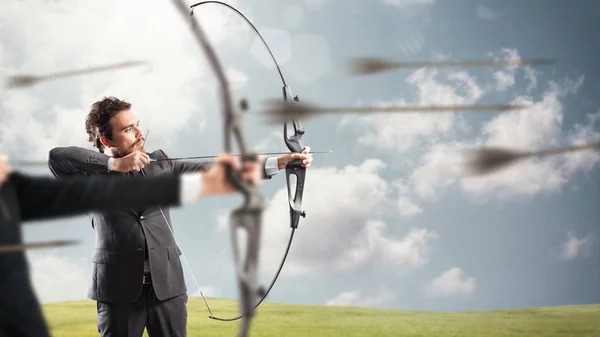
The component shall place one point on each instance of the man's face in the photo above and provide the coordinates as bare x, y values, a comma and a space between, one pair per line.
126, 135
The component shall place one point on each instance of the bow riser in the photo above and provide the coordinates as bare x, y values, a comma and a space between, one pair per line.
295, 169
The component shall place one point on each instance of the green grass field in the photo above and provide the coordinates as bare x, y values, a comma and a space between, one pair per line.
78, 319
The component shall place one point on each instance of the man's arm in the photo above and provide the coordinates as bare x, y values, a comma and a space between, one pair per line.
270, 166
74, 161
45, 197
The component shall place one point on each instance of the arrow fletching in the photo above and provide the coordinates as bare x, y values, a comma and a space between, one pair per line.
283, 111
35, 245
491, 159
373, 65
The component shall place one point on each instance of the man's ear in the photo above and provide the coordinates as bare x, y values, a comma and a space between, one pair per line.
105, 142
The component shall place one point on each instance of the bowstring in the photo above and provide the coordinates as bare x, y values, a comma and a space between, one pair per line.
177, 243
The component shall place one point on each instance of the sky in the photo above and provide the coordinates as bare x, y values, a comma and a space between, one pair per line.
392, 222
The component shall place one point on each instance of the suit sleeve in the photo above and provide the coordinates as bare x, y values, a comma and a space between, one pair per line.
46, 197
178, 166
75, 161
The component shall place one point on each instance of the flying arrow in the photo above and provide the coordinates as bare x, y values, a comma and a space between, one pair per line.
282, 111
20, 81
44, 163
487, 160
10, 248
373, 65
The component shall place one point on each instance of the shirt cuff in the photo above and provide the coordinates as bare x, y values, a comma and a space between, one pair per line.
190, 183
271, 167
111, 161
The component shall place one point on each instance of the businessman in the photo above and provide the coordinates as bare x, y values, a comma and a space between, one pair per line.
25, 198
145, 289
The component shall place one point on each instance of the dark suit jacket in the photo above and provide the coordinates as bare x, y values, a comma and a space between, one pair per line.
125, 237
24, 198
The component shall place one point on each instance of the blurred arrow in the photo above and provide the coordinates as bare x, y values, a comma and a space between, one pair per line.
18, 81
487, 160
373, 65
36, 245
282, 111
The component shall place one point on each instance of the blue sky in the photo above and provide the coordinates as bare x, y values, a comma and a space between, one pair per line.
391, 222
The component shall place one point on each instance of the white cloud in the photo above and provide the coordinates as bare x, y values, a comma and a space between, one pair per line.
574, 247
405, 205
438, 169
342, 230
531, 76
454, 281
74, 35
237, 78
402, 132
354, 298
505, 78
57, 279
537, 127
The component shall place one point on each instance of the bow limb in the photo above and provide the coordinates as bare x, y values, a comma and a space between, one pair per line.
294, 168
248, 217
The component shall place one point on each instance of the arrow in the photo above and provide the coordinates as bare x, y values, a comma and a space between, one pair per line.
282, 111
201, 157
491, 159
36, 245
373, 65
18, 81
40, 163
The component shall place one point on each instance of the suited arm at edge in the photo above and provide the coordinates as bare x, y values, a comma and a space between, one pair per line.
45, 197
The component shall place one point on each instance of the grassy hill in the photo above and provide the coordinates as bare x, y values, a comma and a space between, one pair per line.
78, 319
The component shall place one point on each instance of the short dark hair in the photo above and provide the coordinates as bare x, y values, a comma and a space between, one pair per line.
97, 121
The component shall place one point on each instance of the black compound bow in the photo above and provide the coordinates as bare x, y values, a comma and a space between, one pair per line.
294, 168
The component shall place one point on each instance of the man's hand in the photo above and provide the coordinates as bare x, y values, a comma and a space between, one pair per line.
5, 169
305, 155
134, 161
215, 181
